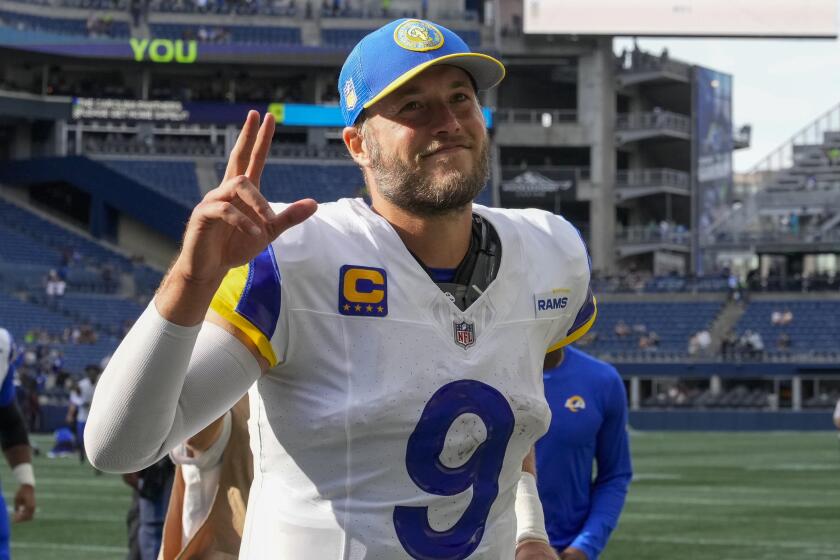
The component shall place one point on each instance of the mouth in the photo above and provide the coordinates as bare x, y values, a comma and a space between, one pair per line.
446, 150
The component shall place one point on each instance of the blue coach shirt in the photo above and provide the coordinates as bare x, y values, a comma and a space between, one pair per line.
589, 422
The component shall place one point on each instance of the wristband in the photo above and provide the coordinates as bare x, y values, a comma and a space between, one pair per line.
24, 474
530, 521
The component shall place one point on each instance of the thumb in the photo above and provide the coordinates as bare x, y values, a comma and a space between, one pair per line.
294, 214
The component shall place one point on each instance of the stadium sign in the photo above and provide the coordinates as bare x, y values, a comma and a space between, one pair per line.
164, 50
129, 109
533, 189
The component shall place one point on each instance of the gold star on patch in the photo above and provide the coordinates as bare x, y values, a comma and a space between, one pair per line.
358, 307
369, 308
346, 307
380, 309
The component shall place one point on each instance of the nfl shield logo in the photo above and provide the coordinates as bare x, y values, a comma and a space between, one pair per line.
464, 334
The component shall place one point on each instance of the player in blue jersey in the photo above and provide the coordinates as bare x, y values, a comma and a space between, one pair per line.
15, 443
589, 422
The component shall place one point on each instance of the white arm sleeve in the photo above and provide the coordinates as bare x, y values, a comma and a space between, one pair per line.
163, 385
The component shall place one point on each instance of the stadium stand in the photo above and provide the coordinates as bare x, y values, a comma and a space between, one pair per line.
175, 179
670, 324
228, 33
346, 38
815, 325
64, 26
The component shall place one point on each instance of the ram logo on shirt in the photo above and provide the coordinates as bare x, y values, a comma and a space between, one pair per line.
575, 403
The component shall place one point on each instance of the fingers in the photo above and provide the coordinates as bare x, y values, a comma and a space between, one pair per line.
233, 216
24, 513
260, 151
294, 214
244, 195
240, 156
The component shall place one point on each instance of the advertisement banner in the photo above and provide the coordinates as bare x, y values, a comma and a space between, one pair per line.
207, 112
712, 145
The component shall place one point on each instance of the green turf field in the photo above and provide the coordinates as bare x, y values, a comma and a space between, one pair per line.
696, 496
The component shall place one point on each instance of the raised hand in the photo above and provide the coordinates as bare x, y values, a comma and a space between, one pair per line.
228, 228
234, 222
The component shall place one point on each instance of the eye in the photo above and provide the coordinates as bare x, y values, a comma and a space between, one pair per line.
411, 106
460, 96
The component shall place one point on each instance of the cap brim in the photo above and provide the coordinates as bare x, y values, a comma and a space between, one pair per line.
484, 69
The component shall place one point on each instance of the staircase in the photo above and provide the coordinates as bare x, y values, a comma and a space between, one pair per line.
725, 322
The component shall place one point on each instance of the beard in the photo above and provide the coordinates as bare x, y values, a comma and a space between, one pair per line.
410, 189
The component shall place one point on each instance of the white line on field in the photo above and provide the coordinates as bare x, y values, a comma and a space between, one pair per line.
729, 517
810, 547
682, 500
60, 546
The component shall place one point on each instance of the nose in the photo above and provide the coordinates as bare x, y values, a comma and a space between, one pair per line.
444, 120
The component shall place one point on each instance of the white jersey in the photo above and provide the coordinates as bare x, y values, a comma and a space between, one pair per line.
392, 425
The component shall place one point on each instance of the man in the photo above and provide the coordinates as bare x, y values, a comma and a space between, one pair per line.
214, 470
836, 415
588, 422
80, 399
15, 443
389, 420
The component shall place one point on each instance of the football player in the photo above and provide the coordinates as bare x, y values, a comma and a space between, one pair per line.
393, 351
15, 443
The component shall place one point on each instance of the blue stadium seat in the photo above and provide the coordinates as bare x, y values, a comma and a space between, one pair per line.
262, 35
673, 322
62, 26
815, 325
175, 179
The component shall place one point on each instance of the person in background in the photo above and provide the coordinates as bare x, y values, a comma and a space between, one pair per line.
588, 422
152, 488
15, 443
80, 398
837, 416
213, 474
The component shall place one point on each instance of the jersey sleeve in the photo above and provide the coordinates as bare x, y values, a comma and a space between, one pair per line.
585, 306
250, 299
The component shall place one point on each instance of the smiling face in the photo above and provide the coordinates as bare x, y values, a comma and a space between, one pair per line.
424, 147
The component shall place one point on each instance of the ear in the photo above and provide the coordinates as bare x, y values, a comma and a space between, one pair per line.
356, 145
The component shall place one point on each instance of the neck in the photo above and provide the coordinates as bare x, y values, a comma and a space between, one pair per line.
438, 241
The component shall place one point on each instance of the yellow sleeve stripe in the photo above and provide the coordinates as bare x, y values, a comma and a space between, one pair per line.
224, 303
584, 328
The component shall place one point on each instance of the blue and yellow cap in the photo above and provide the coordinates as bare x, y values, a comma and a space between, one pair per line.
387, 58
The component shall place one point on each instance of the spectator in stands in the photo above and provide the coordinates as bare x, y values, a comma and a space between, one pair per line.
621, 329
783, 341
776, 317
699, 343
588, 428
54, 288
787, 317
649, 342
752, 344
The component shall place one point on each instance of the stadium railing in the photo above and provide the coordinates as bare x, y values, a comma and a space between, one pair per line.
535, 116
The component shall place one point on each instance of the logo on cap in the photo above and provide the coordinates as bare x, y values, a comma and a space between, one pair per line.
350, 97
417, 35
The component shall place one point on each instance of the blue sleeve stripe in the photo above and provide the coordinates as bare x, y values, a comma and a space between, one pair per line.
585, 313
260, 300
